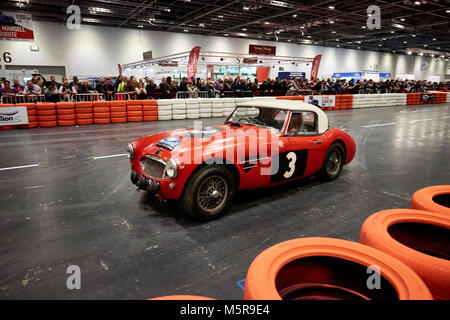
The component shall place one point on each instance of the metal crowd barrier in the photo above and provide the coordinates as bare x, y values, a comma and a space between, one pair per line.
22, 98
88, 97
119, 96
161, 95
298, 92
272, 93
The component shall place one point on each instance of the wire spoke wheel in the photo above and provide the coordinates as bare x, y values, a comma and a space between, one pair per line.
334, 162
212, 193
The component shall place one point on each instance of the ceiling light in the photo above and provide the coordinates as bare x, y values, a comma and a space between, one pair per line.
294, 16
266, 22
413, 35
220, 17
425, 45
392, 31
410, 52
379, 45
168, 9
363, 27
246, 8
405, 41
432, 55
402, 19
417, 3
448, 11
331, 21
140, 26
244, 29
421, 54
96, 9
434, 39
289, 40
201, 25
393, 51
90, 20
333, 31
337, 39
226, 34
308, 36
331, 7
384, 38
186, 30
400, 26
338, 46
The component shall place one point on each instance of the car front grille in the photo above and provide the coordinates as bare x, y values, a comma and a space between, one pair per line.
153, 166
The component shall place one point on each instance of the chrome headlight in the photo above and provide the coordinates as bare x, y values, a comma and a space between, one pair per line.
171, 168
130, 151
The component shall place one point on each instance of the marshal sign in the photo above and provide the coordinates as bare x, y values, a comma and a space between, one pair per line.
13, 115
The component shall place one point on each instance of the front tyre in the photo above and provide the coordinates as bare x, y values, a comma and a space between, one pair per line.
209, 193
333, 162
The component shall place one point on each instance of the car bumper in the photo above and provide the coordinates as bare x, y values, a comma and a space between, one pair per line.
144, 183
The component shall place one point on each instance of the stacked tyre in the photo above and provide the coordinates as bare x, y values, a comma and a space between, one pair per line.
178, 109
205, 108
134, 111
228, 106
118, 111
102, 112
46, 112
192, 108
217, 108
32, 116
420, 239
330, 269
84, 113
66, 113
150, 110
164, 109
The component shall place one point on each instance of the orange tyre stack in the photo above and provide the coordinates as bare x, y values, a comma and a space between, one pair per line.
134, 111
5, 105
420, 239
118, 111
102, 112
330, 269
66, 113
46, 112
32, 116
84, 113
149, 110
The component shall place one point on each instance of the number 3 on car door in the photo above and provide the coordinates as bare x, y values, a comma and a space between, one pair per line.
291, 164
292, 159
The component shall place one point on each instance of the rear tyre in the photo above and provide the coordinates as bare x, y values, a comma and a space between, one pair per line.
209, 193
333, 162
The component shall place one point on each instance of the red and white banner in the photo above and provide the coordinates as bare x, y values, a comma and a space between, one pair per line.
193, 62
315, 66
16, 26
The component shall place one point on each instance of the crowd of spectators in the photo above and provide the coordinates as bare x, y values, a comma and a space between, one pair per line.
147, 88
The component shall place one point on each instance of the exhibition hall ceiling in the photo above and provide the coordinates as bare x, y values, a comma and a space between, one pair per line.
419, 27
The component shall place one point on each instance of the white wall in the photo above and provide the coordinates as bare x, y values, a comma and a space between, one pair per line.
96, 51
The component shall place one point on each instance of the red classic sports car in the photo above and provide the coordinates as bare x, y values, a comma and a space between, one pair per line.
262, 143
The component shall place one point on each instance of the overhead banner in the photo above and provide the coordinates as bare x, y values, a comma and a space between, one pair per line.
16, 26
193, 62
262, 50
10, 116
315, 66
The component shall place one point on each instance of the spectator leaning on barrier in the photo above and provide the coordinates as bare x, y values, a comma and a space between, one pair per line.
16, 85
86, 88
7, 89
140, 90
193, 90
75, 83
100, 84
32, 88
52, 92
66, 90
108, 89
151, 87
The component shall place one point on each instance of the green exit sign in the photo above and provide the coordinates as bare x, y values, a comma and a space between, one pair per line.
34, 48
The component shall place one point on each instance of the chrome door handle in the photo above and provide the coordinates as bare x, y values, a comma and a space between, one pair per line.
317, 141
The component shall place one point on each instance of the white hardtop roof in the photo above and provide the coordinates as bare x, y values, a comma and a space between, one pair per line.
293, 105
290, 105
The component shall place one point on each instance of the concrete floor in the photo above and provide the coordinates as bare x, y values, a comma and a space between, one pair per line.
74, 210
